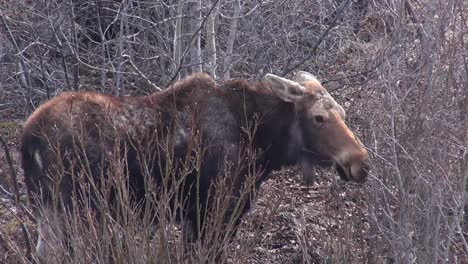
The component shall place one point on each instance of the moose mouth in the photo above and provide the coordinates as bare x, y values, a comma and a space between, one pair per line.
359, 176
342, 173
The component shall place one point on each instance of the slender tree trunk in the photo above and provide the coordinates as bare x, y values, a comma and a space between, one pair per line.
178, 39
211, 60
103, 44
74, 49
464, 120
228, 57
195, 47
121, 47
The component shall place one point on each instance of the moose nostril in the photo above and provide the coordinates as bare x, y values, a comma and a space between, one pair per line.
362, 173
319, 119
352, 166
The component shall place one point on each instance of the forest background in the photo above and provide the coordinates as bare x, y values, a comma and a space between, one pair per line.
399, 68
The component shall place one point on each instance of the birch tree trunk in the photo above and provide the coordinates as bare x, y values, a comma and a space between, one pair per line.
211, 60
121, 48
73, 45
195, 47
228, 56
102, 43
178, 39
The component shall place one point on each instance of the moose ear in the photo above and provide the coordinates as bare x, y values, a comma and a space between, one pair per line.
302, 77
287, 90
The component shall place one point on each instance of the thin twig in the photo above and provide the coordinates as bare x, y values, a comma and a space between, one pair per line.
27, 237
140, 73
5, 244
8, 194
24, 79
14, 181
338, 13
14, 178
24, 229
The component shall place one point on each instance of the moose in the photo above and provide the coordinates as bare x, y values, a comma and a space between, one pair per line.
284, 122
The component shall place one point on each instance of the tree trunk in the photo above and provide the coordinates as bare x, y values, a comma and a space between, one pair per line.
121, 49
231, 40
178, 39
195, 47
211, 60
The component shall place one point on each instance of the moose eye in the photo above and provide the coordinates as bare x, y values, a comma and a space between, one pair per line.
319, 119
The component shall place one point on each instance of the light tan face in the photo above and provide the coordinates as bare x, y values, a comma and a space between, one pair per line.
325, 135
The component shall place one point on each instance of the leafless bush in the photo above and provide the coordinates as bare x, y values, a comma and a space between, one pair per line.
104, 218
399, 68
418, 135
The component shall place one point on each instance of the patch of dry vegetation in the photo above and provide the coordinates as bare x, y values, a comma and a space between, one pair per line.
400, 68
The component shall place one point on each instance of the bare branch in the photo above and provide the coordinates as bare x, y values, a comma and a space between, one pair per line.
140, 73
338, 14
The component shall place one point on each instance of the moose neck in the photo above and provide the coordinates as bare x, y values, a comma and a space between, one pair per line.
277, 133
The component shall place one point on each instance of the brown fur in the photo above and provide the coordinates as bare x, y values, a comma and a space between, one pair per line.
222, 116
